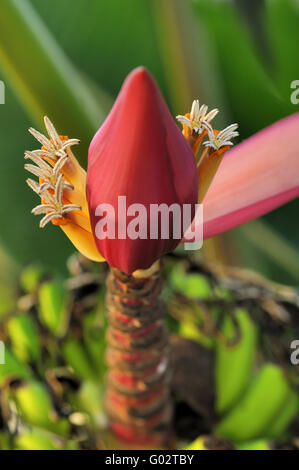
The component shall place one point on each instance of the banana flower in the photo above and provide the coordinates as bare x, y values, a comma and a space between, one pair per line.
141, 154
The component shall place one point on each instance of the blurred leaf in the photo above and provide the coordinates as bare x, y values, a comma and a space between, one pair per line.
12, 368
281, 20
240, 66
195, 286
8, 274
94, 334
35, 439
189, 66
43, 76
107, 39
273, 245
31, 277
198, 444
5, 441
35, 407
24, 337
7, 301
259, 444
77, 357
253, 13
38, 439
190, 330
90, 399
52, 308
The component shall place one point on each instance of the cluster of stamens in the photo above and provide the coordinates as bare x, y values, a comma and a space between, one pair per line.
49, 161
223, 138
200, 121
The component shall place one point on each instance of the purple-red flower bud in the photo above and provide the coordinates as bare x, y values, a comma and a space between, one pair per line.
139, 153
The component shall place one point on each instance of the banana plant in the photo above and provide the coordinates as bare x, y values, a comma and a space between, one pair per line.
179, 167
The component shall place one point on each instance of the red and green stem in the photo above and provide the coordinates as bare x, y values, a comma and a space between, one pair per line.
137, 398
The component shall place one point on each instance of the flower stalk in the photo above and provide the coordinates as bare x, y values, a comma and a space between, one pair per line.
137, 397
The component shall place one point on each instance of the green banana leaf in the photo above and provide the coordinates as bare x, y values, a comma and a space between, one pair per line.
43, 76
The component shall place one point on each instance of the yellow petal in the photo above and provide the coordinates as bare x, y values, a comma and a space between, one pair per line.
76, 175
207, 168
82, 240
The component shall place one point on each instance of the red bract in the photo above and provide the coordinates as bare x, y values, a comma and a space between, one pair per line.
139, 153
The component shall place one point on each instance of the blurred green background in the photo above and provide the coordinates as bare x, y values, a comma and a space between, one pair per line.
68, 59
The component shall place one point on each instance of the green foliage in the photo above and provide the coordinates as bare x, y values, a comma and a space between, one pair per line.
90, 399
198, 444
77, 357
53, 307
35, 407
54, 85
194, 286
259, 444
13, 368
24, 337
31, 276
188, 329
53, 376
242, 63
107, 41
51, 383
6, 300
94, 327
38, 439
256, 401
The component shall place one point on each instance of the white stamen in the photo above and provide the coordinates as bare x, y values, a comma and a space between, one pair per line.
55, 145
45, 171
223, 138
42, 139
45, 220
52, 132
53, 206
52, 188
198, 115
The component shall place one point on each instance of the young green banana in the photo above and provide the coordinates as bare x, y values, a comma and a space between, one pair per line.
233, 365
265, 398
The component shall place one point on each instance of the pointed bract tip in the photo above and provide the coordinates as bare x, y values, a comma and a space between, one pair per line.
140, 72
139, 75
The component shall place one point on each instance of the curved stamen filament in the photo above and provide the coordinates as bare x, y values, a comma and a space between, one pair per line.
52, 182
